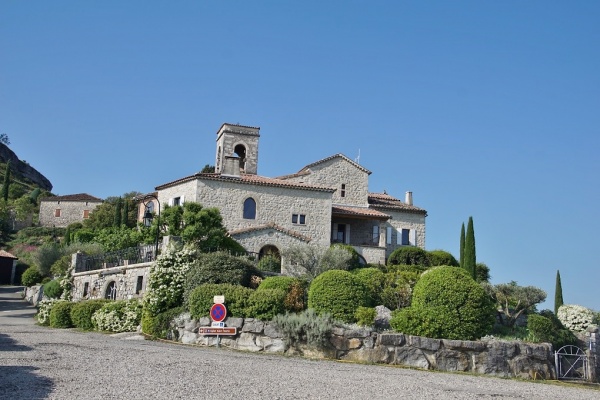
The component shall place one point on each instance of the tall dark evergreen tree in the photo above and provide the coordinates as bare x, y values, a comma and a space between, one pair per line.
461, 259
470, 259
117, 222
6, 184
558, 297
125, 219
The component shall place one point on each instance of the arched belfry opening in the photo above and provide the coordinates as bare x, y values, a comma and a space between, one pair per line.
238, 141
240, 152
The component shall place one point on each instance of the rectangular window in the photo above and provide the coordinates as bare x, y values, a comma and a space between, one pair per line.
388, 238
138, 286
376, 234
86, 214
299, 219
177, 201
86, 288
405, 237
343, 191
57, 212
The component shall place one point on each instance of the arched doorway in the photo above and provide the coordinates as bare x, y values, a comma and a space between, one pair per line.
269, 259
111, 291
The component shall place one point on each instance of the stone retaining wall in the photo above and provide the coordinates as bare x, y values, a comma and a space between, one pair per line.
497, 358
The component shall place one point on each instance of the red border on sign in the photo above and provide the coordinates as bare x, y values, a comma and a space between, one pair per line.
214, 308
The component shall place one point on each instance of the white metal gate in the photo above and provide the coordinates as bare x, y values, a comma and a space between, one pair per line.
571, 363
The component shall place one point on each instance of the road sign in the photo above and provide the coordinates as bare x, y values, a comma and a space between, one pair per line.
218, 312
218, 331
219, 299
217, 325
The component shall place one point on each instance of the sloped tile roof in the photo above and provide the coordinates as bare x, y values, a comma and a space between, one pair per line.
360, 212
248, 179
339, 155
385, 201
6, 254
271, 225
73, 197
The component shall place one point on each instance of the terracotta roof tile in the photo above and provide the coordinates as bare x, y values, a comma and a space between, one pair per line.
249, 179
73, 197
385, 201
339, 155
6, 254
358, 212
271, 225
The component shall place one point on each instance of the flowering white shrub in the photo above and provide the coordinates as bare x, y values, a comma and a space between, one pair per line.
118, 316
575, 318
44, 308
165, 285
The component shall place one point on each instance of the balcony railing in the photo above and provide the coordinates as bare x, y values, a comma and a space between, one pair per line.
365, 239
132, 255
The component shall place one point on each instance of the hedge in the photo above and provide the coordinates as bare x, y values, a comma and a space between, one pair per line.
82, 312
60, 315
201, 299
338, 293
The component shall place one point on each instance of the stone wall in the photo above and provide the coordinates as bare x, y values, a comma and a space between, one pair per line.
497, 358
125, 279
70, 212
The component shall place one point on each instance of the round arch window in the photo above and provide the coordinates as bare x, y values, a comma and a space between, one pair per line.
111, 291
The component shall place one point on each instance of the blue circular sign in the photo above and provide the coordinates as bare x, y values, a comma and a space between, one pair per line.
218, 312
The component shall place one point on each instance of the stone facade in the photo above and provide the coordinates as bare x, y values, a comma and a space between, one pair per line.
60, 211
128, 281
496, 358
325, 202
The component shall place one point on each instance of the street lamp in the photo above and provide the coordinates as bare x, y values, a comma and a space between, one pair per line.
148, 217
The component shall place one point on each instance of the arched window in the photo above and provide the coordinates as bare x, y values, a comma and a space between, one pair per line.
111, 291
240, 151
249, 208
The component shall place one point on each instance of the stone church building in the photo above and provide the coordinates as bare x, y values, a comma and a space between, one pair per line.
327, 201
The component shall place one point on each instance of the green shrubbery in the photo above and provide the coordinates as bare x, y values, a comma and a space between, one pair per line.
294, 288
31, 277
269, 264
200, 299
307, 327
118, 316
338, 293
409, 255
546, 327
44, 309
442, 257
82, 312
160, 325
52, 289
447, 303
265, 304
374, 280
365, 316
60, 315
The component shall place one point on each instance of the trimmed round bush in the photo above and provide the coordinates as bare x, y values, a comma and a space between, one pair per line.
294, 288
60, 315
31, 277
442, 257
201, 299
82, 312
277, 282
365, 316
52, 289
409, 255
160, 325
374, 280
447, 304
219, 267
338, 293
266, 304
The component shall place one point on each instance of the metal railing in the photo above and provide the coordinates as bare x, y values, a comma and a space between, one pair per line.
361, 239
132, 255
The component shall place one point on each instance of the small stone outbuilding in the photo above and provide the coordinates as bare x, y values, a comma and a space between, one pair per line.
60, 211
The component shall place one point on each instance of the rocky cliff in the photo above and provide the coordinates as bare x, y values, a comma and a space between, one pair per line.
22, 169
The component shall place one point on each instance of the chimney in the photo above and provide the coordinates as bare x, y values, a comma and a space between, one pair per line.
408, 198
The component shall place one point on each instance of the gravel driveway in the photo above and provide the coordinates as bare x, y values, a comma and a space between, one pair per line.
38, 362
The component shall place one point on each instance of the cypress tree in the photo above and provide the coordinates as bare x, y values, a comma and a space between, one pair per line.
117, 221
461, 260
6, 182
125, 219
67, 239
470, 259
558, 297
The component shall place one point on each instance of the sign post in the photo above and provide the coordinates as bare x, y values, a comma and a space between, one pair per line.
218, 313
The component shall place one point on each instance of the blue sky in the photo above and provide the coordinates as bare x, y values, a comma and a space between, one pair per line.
480, 108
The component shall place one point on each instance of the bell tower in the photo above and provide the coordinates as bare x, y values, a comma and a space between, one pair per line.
240, 142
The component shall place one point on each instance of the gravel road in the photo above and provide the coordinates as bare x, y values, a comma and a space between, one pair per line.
43, 363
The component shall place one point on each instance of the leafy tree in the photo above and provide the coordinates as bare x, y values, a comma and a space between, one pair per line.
305, 261
4, 139
171, 219
470, 260
462, 246
34, 195
6, 184
482, 273
202, 227
558, 295
208, 169
45, 256
513, 300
